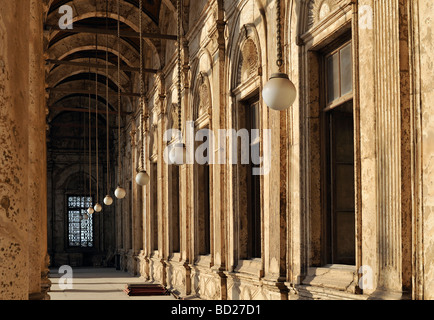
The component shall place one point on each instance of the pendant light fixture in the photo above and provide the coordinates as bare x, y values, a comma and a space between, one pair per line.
108, 200
279, 93
90, 209
177, 154
98, 206
120, 192
142, 177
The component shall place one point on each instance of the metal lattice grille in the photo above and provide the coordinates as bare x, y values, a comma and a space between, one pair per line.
80, 231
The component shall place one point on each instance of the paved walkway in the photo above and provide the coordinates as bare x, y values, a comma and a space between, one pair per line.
95, 284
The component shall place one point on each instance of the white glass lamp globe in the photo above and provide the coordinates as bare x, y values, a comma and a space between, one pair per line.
279, 92
120, 193
108, 201
142, 178
90, 210
177, 155
98, 207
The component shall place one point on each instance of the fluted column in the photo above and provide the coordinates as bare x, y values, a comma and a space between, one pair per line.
388, 114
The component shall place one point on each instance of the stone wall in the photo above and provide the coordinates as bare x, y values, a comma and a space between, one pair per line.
391, 141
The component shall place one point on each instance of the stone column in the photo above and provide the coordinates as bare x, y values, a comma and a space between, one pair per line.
14, 142
135, 201
294, 202
124, 205
160, 104
145, 208
274, 207
388, 137
186, 174
37, 186
219, 171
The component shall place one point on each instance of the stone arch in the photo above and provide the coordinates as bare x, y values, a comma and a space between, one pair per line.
242, 88
60, 76
71, 101
78, 42
78, 181
64, 176
62, 72
247, 34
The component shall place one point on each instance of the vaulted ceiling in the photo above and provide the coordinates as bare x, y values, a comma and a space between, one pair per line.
150, 7
77, 59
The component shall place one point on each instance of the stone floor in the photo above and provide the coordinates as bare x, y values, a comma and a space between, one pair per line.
95, 284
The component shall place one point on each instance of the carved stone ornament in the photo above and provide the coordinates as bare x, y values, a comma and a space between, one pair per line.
249, 61
319, 9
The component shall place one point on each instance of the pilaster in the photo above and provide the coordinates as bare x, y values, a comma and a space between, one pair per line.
388, 143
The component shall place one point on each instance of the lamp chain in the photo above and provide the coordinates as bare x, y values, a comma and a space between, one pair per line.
279, 36
96, 120
179, 65
119, 95
142, 150
107, 105
90, 143
141, 102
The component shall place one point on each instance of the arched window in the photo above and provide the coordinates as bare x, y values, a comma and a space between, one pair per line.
201, 115
247, 123
80, 230
330, 133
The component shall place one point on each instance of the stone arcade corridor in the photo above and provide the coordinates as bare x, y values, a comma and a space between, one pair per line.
225, 150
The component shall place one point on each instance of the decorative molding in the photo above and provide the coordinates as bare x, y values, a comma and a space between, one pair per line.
318, 10
248, 65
